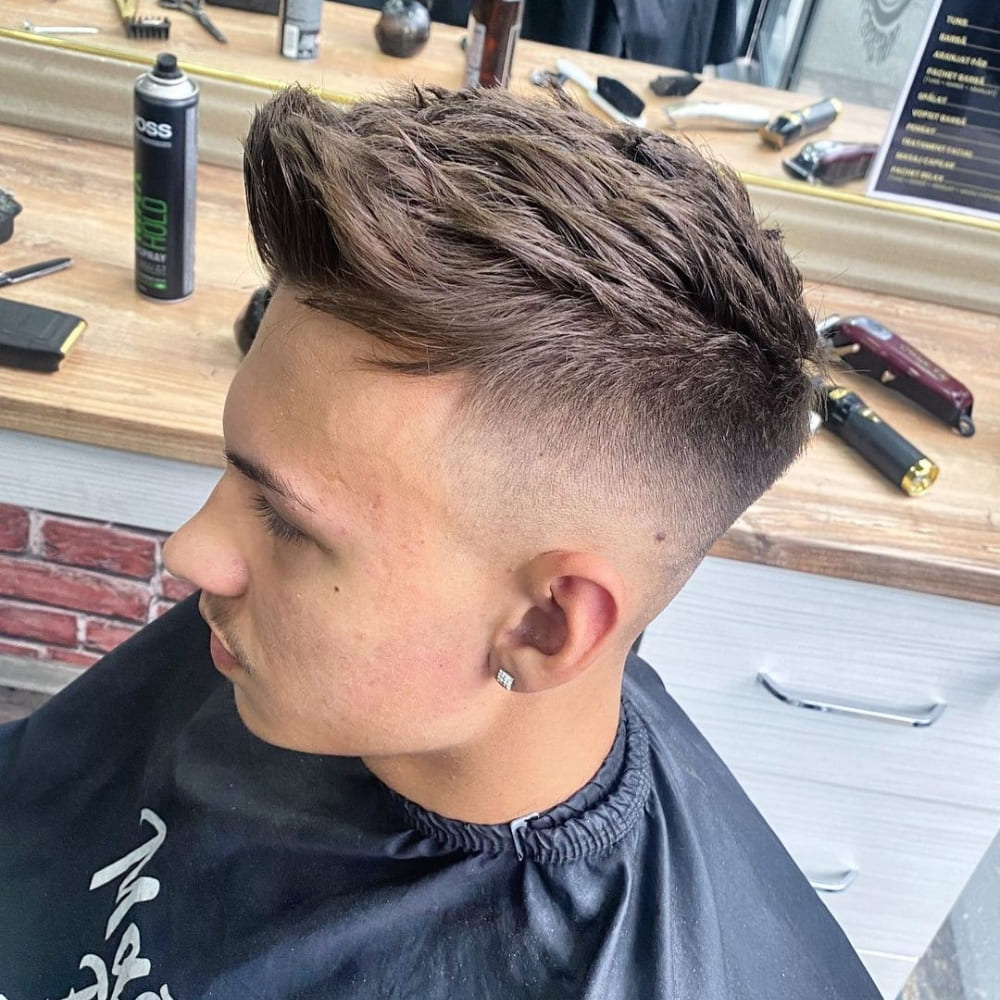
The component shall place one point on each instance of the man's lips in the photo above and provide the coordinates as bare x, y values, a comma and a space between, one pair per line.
221, 657
218, 650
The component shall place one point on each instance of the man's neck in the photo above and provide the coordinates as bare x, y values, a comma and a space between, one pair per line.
545, 750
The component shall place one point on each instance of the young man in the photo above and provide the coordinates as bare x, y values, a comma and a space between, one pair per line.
518, 373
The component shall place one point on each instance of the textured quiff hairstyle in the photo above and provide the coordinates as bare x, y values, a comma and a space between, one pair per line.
607, 292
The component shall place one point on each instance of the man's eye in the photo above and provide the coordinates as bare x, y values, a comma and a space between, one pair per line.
274, 522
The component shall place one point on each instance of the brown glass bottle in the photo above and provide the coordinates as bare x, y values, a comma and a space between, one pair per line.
494, 26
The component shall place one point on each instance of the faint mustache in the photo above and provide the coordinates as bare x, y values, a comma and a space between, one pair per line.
215, 611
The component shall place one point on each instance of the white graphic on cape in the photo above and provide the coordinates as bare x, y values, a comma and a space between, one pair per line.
127, 965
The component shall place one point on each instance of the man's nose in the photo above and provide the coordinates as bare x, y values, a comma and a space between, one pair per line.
205, 549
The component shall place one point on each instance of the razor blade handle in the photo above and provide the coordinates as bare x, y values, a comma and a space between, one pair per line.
855, 423
716, 114
873, 350
792, 125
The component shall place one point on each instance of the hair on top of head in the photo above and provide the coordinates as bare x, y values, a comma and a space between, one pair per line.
607, 286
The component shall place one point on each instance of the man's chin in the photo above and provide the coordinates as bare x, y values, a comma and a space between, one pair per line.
255, 724
249, 717
267, 732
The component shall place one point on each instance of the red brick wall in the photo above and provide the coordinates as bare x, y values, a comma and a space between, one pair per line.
72, 589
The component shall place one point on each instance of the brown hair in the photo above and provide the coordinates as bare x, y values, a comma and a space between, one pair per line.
607, 286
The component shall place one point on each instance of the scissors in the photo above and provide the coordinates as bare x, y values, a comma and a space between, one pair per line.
196, 8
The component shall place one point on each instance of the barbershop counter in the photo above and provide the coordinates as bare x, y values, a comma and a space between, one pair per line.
834, 589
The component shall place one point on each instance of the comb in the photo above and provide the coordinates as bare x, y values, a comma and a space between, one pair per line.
141, 27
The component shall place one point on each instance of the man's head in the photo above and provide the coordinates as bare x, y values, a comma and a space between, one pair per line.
525, 367
606, 292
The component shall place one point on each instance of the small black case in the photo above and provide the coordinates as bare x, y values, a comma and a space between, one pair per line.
9, 208
34, 337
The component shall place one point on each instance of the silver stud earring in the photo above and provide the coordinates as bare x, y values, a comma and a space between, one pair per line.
504, 679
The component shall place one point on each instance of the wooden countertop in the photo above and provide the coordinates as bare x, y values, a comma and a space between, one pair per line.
151, 378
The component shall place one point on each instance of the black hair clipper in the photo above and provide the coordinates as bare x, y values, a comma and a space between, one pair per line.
873, 350
790, 126
854, 422
35, 337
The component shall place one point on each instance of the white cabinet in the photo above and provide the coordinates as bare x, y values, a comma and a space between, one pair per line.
907, 810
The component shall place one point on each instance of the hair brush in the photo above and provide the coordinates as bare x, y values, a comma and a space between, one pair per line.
609, 94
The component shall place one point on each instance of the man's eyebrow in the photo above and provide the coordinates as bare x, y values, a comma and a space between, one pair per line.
267, 478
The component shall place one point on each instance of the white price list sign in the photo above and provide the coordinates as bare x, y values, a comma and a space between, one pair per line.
942, 148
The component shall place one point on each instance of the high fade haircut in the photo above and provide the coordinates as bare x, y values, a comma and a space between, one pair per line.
607, 292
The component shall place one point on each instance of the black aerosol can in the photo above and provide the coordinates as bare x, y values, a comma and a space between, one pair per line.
166, 160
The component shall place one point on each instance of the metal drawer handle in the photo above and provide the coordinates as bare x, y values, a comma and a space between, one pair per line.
903, 716
833, 883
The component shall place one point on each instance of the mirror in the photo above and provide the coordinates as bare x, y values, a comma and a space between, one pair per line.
81, 85
787, 44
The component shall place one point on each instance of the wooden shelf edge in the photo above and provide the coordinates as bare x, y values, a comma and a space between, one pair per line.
964, 583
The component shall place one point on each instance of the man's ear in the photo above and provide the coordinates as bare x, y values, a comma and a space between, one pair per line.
574, 601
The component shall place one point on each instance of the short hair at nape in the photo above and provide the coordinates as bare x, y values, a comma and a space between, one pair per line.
608, 286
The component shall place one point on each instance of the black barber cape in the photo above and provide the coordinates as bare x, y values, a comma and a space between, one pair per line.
152, 848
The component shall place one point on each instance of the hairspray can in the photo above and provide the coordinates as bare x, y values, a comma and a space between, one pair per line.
166, 160
298, 28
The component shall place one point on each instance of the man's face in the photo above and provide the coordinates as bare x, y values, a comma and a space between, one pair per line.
332, 555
